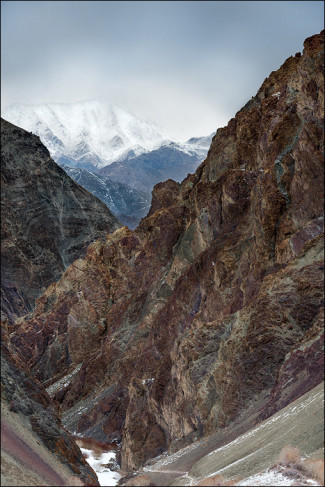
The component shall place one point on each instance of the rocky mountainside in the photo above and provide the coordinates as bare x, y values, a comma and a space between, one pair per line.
88, 134
212, 309
47, 220
260, 456
126, 203
169, 161
32, 432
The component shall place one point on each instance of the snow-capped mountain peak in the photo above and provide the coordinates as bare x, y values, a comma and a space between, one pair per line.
92, 133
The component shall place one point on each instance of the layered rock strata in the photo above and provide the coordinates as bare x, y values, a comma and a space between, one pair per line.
213, 306
47, 220
27, 400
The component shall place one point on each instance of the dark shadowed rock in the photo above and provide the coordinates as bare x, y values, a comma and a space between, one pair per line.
47, 220
27, 399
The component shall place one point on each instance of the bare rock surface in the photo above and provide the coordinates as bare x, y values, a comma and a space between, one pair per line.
35, 448
213, 307
47, 220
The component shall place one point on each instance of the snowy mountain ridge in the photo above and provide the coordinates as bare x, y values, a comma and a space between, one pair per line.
94, 133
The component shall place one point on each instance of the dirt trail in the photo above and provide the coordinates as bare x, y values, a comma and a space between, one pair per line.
300, 424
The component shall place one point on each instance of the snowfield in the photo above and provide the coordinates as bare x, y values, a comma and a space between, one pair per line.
94, 133
106, 477
95, 130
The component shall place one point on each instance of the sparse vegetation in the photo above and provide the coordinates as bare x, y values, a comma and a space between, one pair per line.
296, 467
289, 455
217, 480
316, 469
98, 447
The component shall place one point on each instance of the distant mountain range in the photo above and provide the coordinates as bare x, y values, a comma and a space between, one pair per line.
103, 138
92, 134
88, 134
169, 161
127, 204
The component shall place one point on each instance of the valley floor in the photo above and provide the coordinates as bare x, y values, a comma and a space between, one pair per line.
99, 462
300, 424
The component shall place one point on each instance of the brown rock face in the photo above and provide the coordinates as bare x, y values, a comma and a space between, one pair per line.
47, 220
27, 398
212, 306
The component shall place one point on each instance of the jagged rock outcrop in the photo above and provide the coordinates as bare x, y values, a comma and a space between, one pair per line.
26, 398
47, 220
213, 306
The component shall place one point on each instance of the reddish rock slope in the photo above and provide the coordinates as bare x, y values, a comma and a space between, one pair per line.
213, 306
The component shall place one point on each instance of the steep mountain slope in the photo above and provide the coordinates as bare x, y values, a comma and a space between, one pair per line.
35, 448
47, 220
234, 455
126, 203
169, 161
89, 134
211, 311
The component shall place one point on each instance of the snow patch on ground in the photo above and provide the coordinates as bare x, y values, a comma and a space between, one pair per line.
271, 478
64, 381
98, 463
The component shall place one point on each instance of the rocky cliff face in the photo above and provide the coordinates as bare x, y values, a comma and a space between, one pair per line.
47, 220
27, 400
213, 306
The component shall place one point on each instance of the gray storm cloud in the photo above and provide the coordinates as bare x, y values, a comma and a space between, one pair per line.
187, 65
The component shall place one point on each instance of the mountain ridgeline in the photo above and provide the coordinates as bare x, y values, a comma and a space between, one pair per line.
96, 133
212, 308
47, 220
89, 134
127, 204
169, 161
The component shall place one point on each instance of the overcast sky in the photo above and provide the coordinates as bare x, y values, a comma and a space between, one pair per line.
189, 66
